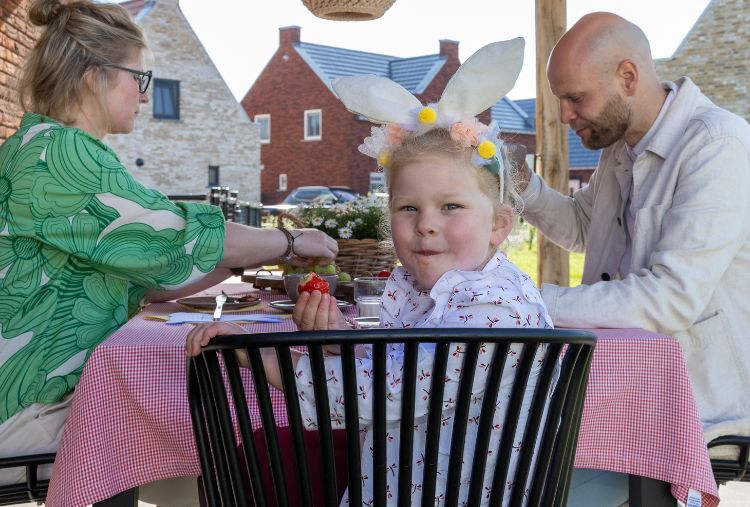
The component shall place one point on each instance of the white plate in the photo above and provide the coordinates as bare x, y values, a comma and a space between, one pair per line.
287, 305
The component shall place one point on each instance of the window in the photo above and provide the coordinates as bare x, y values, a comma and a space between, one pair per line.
166, 99
282, 182
313, 125
264, 124
377, 182
213, 176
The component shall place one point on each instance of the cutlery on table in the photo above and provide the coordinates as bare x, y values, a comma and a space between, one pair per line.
220, 300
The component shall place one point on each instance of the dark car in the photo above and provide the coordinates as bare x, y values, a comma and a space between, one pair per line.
313, 195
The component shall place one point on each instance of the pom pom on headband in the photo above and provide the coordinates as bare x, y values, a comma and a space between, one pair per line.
483, 79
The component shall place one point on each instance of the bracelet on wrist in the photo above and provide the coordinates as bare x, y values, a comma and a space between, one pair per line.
289, 253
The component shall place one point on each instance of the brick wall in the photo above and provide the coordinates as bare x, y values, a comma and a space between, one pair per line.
212, 130
284, 90
16, 38
715, 55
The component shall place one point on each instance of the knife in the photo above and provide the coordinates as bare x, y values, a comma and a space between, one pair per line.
220, 300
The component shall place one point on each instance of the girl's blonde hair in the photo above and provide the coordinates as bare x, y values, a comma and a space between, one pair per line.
79, 35
438, 142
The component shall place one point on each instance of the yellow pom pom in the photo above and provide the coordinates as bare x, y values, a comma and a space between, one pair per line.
384, 159
486, 149
427, 116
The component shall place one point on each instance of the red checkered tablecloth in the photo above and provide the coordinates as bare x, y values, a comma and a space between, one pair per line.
129, 423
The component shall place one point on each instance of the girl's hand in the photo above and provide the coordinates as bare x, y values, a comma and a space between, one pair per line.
316, 311
200, 335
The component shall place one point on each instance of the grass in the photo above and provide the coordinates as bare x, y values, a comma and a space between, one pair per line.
525, 258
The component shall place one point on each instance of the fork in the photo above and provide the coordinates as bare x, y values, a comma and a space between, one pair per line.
220, 300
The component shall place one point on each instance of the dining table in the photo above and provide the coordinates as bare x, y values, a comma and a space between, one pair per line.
129, 423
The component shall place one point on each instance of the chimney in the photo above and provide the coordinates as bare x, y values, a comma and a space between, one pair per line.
449, 49
289, 35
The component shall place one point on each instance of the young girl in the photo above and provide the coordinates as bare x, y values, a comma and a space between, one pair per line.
450, 201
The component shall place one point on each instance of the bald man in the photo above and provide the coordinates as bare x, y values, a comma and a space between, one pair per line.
665, 219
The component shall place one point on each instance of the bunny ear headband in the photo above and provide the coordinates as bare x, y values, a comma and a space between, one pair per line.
483, 79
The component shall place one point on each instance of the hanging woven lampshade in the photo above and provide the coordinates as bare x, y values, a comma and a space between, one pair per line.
348, 10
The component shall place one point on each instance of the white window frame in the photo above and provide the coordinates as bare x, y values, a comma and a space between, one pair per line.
260, 117
310, 113
282, 182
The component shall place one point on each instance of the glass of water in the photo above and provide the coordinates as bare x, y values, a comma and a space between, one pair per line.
367, 293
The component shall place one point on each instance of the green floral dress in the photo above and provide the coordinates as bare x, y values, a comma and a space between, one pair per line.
80, 243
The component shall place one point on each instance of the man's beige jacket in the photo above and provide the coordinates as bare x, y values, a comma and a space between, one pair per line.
689, 274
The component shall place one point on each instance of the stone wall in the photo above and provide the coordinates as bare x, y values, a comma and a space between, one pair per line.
213, 129
16, 38
715, 54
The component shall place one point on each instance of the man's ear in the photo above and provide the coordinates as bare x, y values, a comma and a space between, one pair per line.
502, 225
627, 72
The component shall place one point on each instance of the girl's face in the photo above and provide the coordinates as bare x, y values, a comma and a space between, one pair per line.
441, 219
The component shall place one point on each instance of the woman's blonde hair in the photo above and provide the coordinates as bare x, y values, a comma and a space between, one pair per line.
438, 142
79, 35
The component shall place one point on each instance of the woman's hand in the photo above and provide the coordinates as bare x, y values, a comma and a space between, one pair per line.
200, 335
316, 311
312, 246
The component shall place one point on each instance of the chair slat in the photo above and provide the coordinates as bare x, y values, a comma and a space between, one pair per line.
406, 435
379, 458
434, 422
460, 420
271, 438
351, 408
486, 422
296, 428
534, 423
510, 425
322, 408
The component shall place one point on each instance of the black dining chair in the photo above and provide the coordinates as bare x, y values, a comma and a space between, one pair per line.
729, 458
233, 471
33, 489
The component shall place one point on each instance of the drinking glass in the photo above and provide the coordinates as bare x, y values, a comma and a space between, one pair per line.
367, 293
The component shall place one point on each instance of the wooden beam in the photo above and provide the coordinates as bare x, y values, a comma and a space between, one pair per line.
551, 136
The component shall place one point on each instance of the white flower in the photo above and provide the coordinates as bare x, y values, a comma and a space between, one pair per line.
331, 223
345, 232
317, 221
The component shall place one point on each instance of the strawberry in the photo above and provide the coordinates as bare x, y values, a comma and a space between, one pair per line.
312, 281
384, 274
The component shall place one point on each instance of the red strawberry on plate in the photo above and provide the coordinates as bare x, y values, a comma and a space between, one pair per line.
384, 274
312, 281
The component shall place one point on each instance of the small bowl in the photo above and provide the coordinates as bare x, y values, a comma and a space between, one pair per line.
291, 282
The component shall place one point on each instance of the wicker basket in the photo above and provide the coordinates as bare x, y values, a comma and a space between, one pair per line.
364, 257
358, 257
348, 10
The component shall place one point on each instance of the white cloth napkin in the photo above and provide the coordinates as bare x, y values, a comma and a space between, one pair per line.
189, 317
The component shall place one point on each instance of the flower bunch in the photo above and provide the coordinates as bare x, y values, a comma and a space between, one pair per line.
357, 219
468, 131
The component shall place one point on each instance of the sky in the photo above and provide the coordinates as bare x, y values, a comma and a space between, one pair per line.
241, 36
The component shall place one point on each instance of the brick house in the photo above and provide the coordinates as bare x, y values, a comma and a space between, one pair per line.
308, 137
193, 134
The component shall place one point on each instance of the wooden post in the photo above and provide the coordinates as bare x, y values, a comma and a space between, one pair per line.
551, 136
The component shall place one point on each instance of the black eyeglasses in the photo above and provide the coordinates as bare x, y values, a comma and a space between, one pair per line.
143, 78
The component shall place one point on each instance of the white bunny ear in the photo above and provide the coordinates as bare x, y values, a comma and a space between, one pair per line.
483, 79
378, 98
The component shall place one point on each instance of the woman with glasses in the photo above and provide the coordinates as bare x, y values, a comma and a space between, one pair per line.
83, 245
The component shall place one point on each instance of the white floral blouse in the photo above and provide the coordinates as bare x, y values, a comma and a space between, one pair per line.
500, 295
